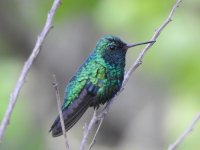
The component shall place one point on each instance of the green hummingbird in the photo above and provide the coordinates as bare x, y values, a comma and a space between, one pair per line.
97, 80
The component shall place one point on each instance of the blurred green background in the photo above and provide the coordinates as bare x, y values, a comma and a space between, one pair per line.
157, 104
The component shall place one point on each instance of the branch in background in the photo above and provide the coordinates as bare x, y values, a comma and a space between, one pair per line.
185, 134
55, 85
26, 68
136, 64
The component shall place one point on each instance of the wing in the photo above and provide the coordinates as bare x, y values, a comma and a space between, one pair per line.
80, 94
92, 71
74, 112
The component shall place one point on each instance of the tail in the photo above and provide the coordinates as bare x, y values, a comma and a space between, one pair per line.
72, 114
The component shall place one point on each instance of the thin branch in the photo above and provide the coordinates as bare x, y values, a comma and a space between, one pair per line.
138, 61
93, 140
26, 68
186, 133
88, 128
55, 85
135, 65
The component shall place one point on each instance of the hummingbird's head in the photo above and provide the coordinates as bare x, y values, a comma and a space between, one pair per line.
109, 43
113, 49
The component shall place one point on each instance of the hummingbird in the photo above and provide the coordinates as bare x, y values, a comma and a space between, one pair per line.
96, 81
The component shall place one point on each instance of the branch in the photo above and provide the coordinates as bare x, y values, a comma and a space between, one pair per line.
135, 65
55, 85
93, 140
185, 134
88, 128
26, 68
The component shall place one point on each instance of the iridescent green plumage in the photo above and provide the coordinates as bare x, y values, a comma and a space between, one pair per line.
101, 75
96, 69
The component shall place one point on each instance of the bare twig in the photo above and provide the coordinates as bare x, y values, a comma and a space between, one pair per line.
186, 133
93, 140
135, 65
26, 68
89, 127
55, 85
138, 61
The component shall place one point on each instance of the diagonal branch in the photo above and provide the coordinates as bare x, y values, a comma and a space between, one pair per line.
88, 128
55, 85
27, 66
135, 65
97, 130
186, 133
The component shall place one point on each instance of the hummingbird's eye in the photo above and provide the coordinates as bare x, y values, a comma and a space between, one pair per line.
111, 47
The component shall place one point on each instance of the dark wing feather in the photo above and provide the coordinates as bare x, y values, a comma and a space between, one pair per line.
73, 112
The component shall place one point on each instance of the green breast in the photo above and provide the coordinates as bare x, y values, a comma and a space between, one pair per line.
111, 84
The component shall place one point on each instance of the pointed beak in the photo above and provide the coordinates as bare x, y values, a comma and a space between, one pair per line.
136, 44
